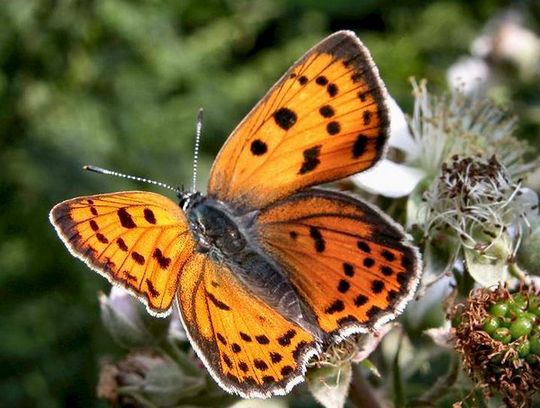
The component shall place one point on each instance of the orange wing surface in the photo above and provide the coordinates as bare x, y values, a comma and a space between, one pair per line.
137, 240
325, 119
349, 262
248, 347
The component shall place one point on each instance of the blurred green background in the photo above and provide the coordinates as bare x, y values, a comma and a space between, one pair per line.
117, 83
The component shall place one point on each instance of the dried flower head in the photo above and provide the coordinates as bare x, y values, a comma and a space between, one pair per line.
476, 199
498, 336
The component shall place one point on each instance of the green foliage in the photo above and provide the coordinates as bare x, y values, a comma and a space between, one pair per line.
118, 83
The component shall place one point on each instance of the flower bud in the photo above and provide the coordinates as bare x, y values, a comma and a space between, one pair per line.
128, 322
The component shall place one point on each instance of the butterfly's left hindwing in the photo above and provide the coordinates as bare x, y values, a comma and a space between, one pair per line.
249, 348
351, 264
136, 239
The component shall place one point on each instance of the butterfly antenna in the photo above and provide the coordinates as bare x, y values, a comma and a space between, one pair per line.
196, 148
100, 170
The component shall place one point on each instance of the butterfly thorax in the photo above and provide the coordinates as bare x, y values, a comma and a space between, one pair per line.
215, 228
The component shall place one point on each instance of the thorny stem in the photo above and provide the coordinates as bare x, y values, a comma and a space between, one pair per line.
361, 395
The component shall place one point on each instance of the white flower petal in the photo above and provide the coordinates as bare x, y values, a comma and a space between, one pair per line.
529, 200
389, 179
400, 136
371, 342
441, 336
468, 74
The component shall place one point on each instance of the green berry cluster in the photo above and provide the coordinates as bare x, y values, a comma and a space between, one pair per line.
515, 320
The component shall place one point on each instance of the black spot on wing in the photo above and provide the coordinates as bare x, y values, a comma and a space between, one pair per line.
366, 117
286, 370
311, 159
260, 364
102, 238
125, 218
360, 300
386, 270
348, 269
363, 246
221, 339
285, 118
121, 244
275, 357
285, 340
318, 239
368, 262
151, 288
227, 360
218, 303
336, 306
333, 128
262, 339
321, 80
343, 286
326, 111
389, 256
360, 145
149, 216
377, 286
138, 258
332, 90
258, 147
162, 260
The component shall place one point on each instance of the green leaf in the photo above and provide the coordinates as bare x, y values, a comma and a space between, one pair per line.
492, 267
330, 385
371, 367
529, 253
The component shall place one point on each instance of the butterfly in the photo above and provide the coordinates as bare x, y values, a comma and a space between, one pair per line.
266, 270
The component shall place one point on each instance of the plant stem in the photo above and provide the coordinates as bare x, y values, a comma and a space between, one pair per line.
442, 386
170, 348
361, 394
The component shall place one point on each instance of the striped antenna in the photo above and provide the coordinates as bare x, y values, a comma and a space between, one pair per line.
198, 129
100, 170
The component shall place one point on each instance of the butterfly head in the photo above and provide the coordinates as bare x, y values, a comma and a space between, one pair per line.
188, 199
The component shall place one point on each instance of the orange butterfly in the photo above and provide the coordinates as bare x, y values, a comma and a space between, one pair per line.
266, 272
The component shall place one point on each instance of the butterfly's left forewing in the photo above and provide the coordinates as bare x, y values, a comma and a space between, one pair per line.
249, 348
351, 264
325, 119
136, 239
